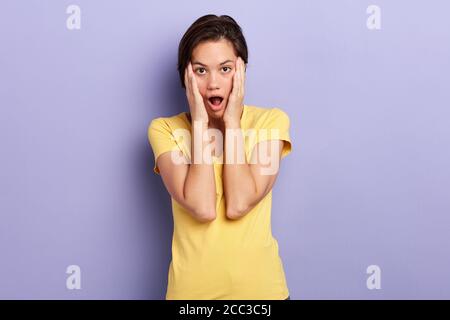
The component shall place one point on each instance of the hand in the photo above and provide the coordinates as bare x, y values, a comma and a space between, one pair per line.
232, 114
196, 105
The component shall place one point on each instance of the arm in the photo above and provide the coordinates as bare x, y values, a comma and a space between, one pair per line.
191, 185
245, 184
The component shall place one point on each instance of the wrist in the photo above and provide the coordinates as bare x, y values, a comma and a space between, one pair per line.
232, 124
200, 121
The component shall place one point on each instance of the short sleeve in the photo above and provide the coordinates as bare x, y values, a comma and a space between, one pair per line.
161, 139
276, 126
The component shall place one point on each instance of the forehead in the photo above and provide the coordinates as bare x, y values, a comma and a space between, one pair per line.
213, 52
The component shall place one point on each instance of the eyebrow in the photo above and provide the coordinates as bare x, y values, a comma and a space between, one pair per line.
197, 62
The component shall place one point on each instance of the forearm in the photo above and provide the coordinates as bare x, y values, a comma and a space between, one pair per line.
240, 186
199, 187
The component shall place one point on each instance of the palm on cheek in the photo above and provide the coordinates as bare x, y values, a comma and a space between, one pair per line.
196, 105
235, 101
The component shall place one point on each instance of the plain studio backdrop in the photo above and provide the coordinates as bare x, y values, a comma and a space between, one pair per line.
363, 198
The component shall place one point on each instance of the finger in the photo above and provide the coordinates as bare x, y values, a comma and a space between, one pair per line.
240, 82
191, 78
190, 88
235, 83
242, 76
239, 78
239, 75
188, 73
195, 89
186, 80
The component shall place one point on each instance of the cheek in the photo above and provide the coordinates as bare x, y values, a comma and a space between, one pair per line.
229, 85
201, 85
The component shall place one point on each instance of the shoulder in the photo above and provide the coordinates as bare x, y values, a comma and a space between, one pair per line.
168, 124
260, 117
164, 135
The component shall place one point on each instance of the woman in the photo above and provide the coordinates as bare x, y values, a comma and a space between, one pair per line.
222, 245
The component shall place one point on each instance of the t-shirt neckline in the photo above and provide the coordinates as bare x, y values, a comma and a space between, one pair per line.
188, 119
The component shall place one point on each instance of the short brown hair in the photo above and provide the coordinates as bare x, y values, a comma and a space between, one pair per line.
214, 28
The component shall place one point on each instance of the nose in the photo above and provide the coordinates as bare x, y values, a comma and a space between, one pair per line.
212, 81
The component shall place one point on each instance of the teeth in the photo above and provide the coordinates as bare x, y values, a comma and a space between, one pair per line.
214, 99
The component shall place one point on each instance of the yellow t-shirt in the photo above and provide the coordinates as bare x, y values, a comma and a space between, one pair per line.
224, 259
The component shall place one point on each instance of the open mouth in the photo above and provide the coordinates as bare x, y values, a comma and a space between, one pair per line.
215, 102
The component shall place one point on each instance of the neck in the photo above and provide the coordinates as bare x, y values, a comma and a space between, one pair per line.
216, 124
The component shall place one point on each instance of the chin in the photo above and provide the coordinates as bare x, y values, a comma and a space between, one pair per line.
217, 114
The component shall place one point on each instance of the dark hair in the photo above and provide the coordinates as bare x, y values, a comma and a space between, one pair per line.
214, 28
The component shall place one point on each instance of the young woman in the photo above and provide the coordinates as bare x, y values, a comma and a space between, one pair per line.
219, 162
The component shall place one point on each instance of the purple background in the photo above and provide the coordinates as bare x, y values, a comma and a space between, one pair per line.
367, 182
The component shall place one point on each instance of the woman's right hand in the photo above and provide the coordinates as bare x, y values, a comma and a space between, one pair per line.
196, 105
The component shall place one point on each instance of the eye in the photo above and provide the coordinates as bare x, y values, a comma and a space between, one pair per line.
199, 69
227, 68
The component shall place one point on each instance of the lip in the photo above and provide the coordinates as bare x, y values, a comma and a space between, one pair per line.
216, 108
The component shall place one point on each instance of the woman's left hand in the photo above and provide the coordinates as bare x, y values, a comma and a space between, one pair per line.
233, 111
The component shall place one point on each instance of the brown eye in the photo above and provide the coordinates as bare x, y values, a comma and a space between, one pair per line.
226, 68
200, 69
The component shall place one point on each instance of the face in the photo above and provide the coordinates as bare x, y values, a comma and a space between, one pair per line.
214, 63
